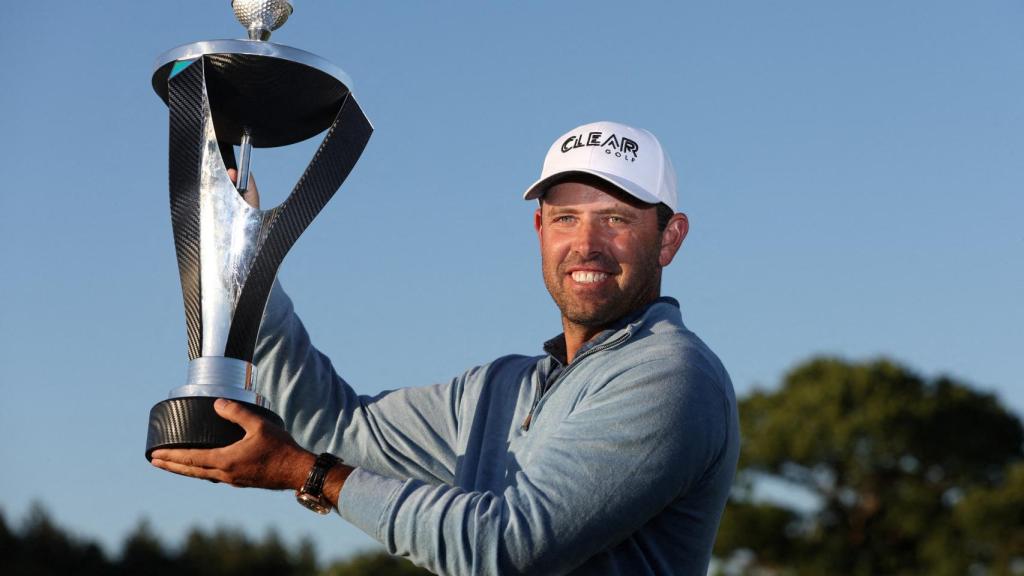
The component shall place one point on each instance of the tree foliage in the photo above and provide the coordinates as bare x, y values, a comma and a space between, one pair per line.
374, 563
901, 473
41, 548
991, 521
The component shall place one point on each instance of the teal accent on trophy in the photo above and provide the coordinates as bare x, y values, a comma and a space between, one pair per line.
179, 66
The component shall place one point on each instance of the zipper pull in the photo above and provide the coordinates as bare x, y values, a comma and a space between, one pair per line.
526, 422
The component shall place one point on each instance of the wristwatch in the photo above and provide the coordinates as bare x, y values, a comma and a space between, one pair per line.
311, 495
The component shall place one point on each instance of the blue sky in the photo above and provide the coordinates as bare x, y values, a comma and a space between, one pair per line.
852, 173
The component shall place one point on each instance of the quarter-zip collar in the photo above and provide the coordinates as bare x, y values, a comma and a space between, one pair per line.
555, 347
554, 366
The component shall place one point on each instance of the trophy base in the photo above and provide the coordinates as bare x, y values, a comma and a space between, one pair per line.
192, 422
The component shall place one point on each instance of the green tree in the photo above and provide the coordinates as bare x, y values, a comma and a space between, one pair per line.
40, 548
228, 551
44, 548
991, 521
143, 553
10, 545
886, 459
374, 564
305, 557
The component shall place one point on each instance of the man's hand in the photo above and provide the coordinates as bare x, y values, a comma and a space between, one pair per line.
266, 457
252, 194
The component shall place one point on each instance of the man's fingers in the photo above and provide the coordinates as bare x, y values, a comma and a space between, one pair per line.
188, 470
252, 193
185, 457
237, 413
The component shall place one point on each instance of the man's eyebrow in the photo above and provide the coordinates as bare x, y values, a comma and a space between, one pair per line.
561, 209
616, 210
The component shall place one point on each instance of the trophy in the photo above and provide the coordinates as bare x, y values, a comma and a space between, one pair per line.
251, 94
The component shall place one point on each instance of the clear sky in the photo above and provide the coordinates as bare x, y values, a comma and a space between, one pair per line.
852, 172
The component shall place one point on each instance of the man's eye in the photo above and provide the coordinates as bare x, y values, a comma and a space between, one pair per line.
564, 219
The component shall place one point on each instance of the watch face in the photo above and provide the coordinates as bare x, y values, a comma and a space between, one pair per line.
317, 504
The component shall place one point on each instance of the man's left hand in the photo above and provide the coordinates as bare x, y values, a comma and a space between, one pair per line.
266, 457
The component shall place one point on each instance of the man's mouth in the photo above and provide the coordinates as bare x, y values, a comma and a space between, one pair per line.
588, 276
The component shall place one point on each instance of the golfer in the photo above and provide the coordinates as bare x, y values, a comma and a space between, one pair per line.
611, 453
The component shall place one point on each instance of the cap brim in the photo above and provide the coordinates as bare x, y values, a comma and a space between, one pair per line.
538, 188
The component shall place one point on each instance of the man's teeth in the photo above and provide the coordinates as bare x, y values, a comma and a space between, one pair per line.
584, 277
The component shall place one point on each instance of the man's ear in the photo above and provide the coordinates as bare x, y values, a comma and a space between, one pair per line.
672, 238
537, 223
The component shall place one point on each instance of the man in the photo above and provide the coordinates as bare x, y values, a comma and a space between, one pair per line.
611, 454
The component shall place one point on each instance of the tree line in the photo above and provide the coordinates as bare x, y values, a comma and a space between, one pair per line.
888, 473
39, 547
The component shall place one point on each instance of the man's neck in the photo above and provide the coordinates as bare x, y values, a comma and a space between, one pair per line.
577, 335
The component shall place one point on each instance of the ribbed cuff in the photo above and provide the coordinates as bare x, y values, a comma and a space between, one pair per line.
366, 500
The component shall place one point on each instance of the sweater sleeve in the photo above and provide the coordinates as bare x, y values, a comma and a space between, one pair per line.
647, 438
408, 433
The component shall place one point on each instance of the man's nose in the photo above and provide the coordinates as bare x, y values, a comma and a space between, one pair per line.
589, 238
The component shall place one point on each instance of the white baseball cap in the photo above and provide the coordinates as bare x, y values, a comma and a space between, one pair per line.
630, 158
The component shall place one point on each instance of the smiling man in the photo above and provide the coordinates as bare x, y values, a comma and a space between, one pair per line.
602, 253
612, 453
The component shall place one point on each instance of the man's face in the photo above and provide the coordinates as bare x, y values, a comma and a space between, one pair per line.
602, 252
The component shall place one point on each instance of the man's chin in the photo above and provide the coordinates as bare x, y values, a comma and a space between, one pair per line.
593, 311
591, 318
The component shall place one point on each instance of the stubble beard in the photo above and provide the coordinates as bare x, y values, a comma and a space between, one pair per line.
615, 302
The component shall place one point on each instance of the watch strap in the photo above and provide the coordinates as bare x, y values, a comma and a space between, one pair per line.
312, 492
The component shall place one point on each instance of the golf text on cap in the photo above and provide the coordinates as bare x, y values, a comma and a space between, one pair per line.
621, 147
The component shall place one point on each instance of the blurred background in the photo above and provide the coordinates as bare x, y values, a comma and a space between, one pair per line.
852, 175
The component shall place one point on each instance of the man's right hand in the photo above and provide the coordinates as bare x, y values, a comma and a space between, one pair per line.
252, 193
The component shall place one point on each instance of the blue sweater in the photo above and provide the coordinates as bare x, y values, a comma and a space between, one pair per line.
617, 463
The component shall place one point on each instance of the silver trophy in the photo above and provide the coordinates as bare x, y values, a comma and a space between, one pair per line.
251, 94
